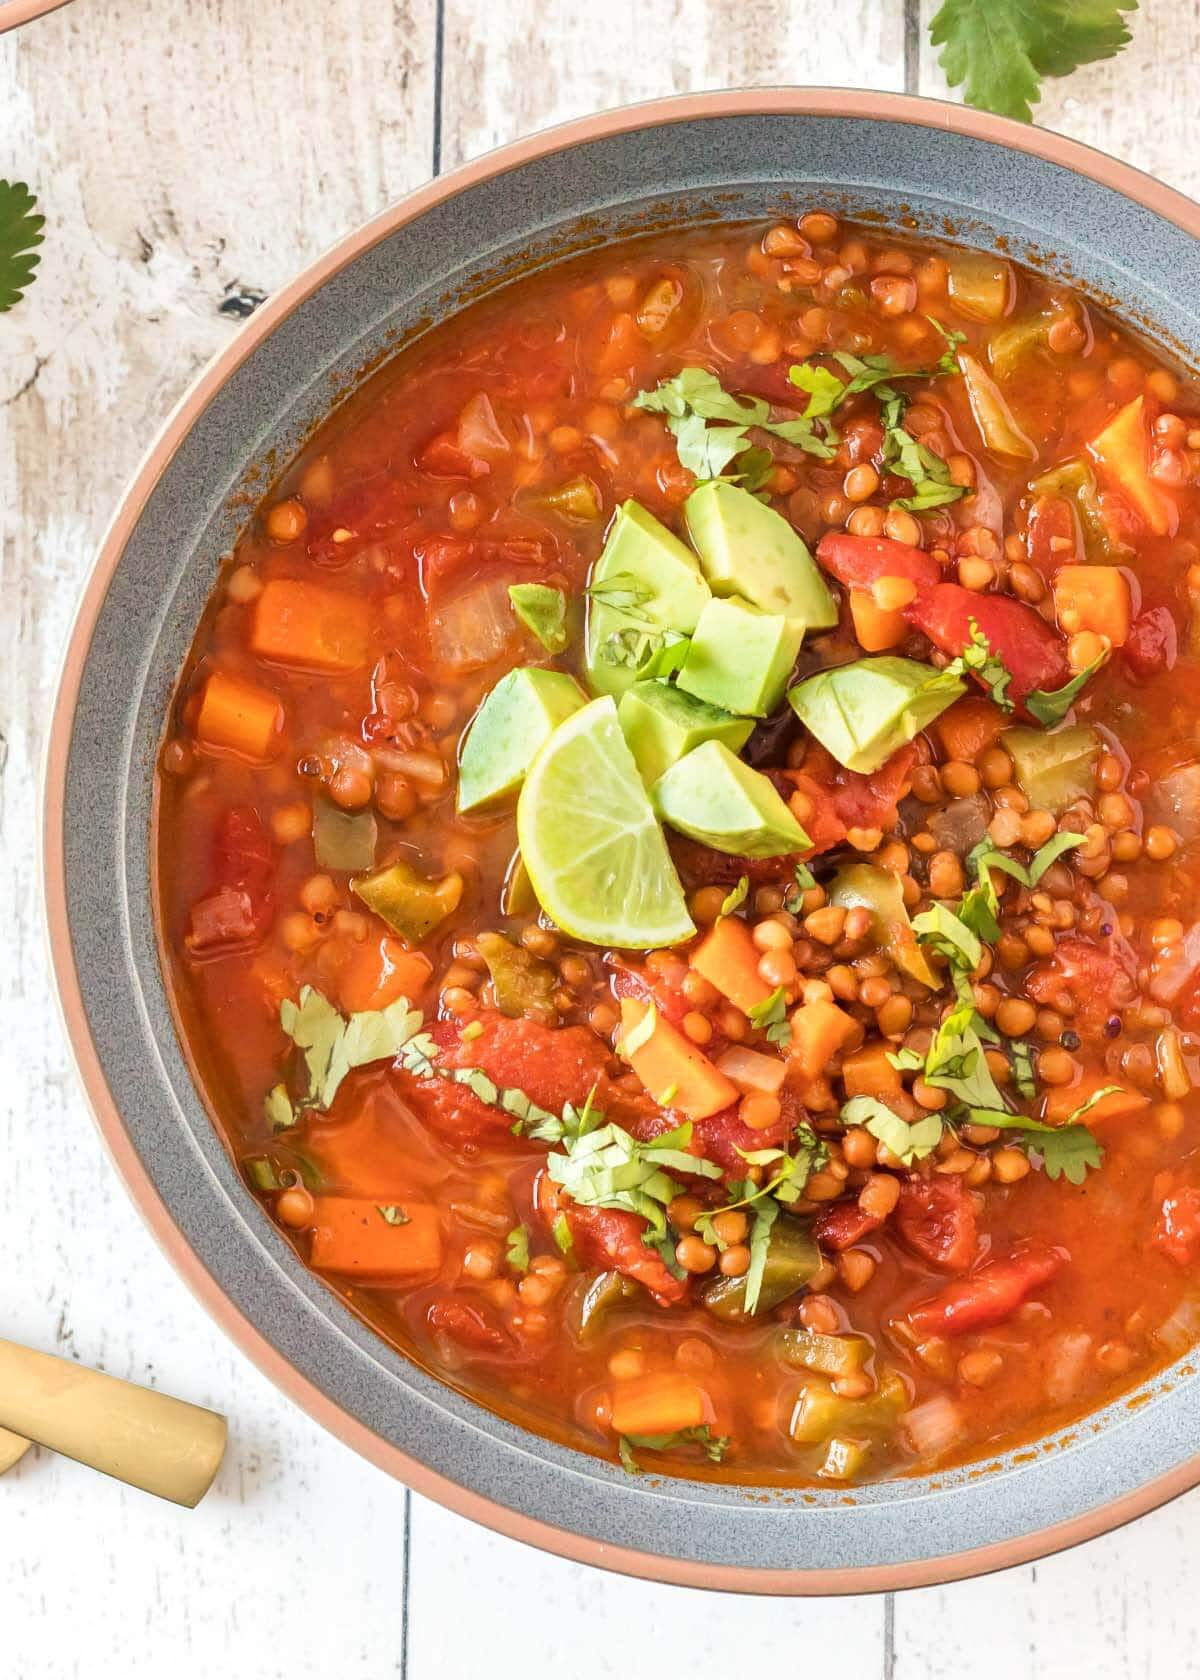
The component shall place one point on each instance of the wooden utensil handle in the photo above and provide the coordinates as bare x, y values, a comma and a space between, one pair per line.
147, 1439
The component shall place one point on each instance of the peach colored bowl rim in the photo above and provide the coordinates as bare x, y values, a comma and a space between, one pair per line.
16, 12
899, 108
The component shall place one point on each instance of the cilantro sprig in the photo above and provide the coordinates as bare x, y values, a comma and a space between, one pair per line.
711, 427
699, 1435
999, 51
20, 235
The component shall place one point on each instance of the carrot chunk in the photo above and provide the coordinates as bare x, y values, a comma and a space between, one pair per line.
675, 1073
311, 628
376, 1241
1094, 598
868, 1073
378, 971
1122, 451
238, 716
659, 1404
876, 627
1063, 1100
727, 958
970, 727
819, 1031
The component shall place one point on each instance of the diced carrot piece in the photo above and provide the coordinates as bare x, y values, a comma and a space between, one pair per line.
658, 1404
378, 971
875, 627
1094, 598
1063, 1100
727, 958
675, 1073
819, 1031
239, 716
868, 1073
1122, 451
357, 1238
311, 628
970, 727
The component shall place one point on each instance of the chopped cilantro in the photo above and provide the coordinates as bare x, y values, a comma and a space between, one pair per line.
516, 1249
639, 1034
956, 1061
1021, 1057
735, 899
543, 611
700, 1435
560, 1230
793, 901
1050, 706
908, 1143
472, 1031
766, 1212
393, 1215
333, 1045
770, 1017
279, 1109
710, 425
607, 1168
1001, 49
980, 659
20, 235
948, 934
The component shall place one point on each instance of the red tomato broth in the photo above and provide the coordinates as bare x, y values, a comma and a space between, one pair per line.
408, 508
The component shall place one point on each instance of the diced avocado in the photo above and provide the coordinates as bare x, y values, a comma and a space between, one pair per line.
409, 904
518, 715
863, 886
713, 797
1053, 769
644, 583
864, 711
740, 659
661, 725
748, 549
792, 1258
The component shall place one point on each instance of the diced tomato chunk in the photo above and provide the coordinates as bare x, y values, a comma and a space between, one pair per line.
843, 1225
466, 1324
986, 1297
241, 907
719, 1137
442, 457
1096, 980
611, 1237
861, 561
845, 799
1153, 644
935, 1218
1177, 1227
1029, 648
1051, 538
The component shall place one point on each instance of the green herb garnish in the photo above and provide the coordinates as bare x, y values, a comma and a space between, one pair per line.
907, 1143
999, 50
700, 1435
710, 425
516, 1249
20, 235
1050, 706
393, 1215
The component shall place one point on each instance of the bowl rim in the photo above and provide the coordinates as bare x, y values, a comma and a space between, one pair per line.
1053, 148
13, 13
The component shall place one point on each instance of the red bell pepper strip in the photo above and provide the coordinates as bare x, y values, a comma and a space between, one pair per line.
859, 562
986, 1297
1029, 648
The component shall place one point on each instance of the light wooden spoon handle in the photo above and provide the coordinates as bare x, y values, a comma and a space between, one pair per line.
147, 1439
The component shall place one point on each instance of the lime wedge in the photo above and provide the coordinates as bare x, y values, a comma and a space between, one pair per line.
591, 844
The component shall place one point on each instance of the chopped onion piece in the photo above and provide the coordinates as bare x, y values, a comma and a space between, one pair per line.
933, 1427
750, 1070
474, 628
1068, 1358
1171, 976
1182, 1330
479, 431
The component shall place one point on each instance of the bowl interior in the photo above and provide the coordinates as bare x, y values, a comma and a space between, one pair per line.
494, 221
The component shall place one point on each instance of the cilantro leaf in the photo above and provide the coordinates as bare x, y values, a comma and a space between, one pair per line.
735, 898
1050, 706
516, 1249
710, 426
980, 658
560, 1230
805, 881
20, 234
543, 611
607, 1168
907, 1143
333, 1045
908, 458
1001, 49
956, 1062
279, 1109
947, 933
699, 1435
1021, 1057
1067, 1152
393, 1215
770, 1017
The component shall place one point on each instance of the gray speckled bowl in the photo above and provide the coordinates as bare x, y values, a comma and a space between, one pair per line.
928, 166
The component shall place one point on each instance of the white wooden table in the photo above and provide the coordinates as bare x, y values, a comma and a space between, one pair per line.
190, 156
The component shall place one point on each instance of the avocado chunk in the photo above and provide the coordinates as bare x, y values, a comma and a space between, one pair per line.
1053, 770
713, 797
662, 725
515, 718
645, 584
740, 659
748, 549
864, 711
863, 886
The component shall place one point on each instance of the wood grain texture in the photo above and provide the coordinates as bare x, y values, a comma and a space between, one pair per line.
191, 154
